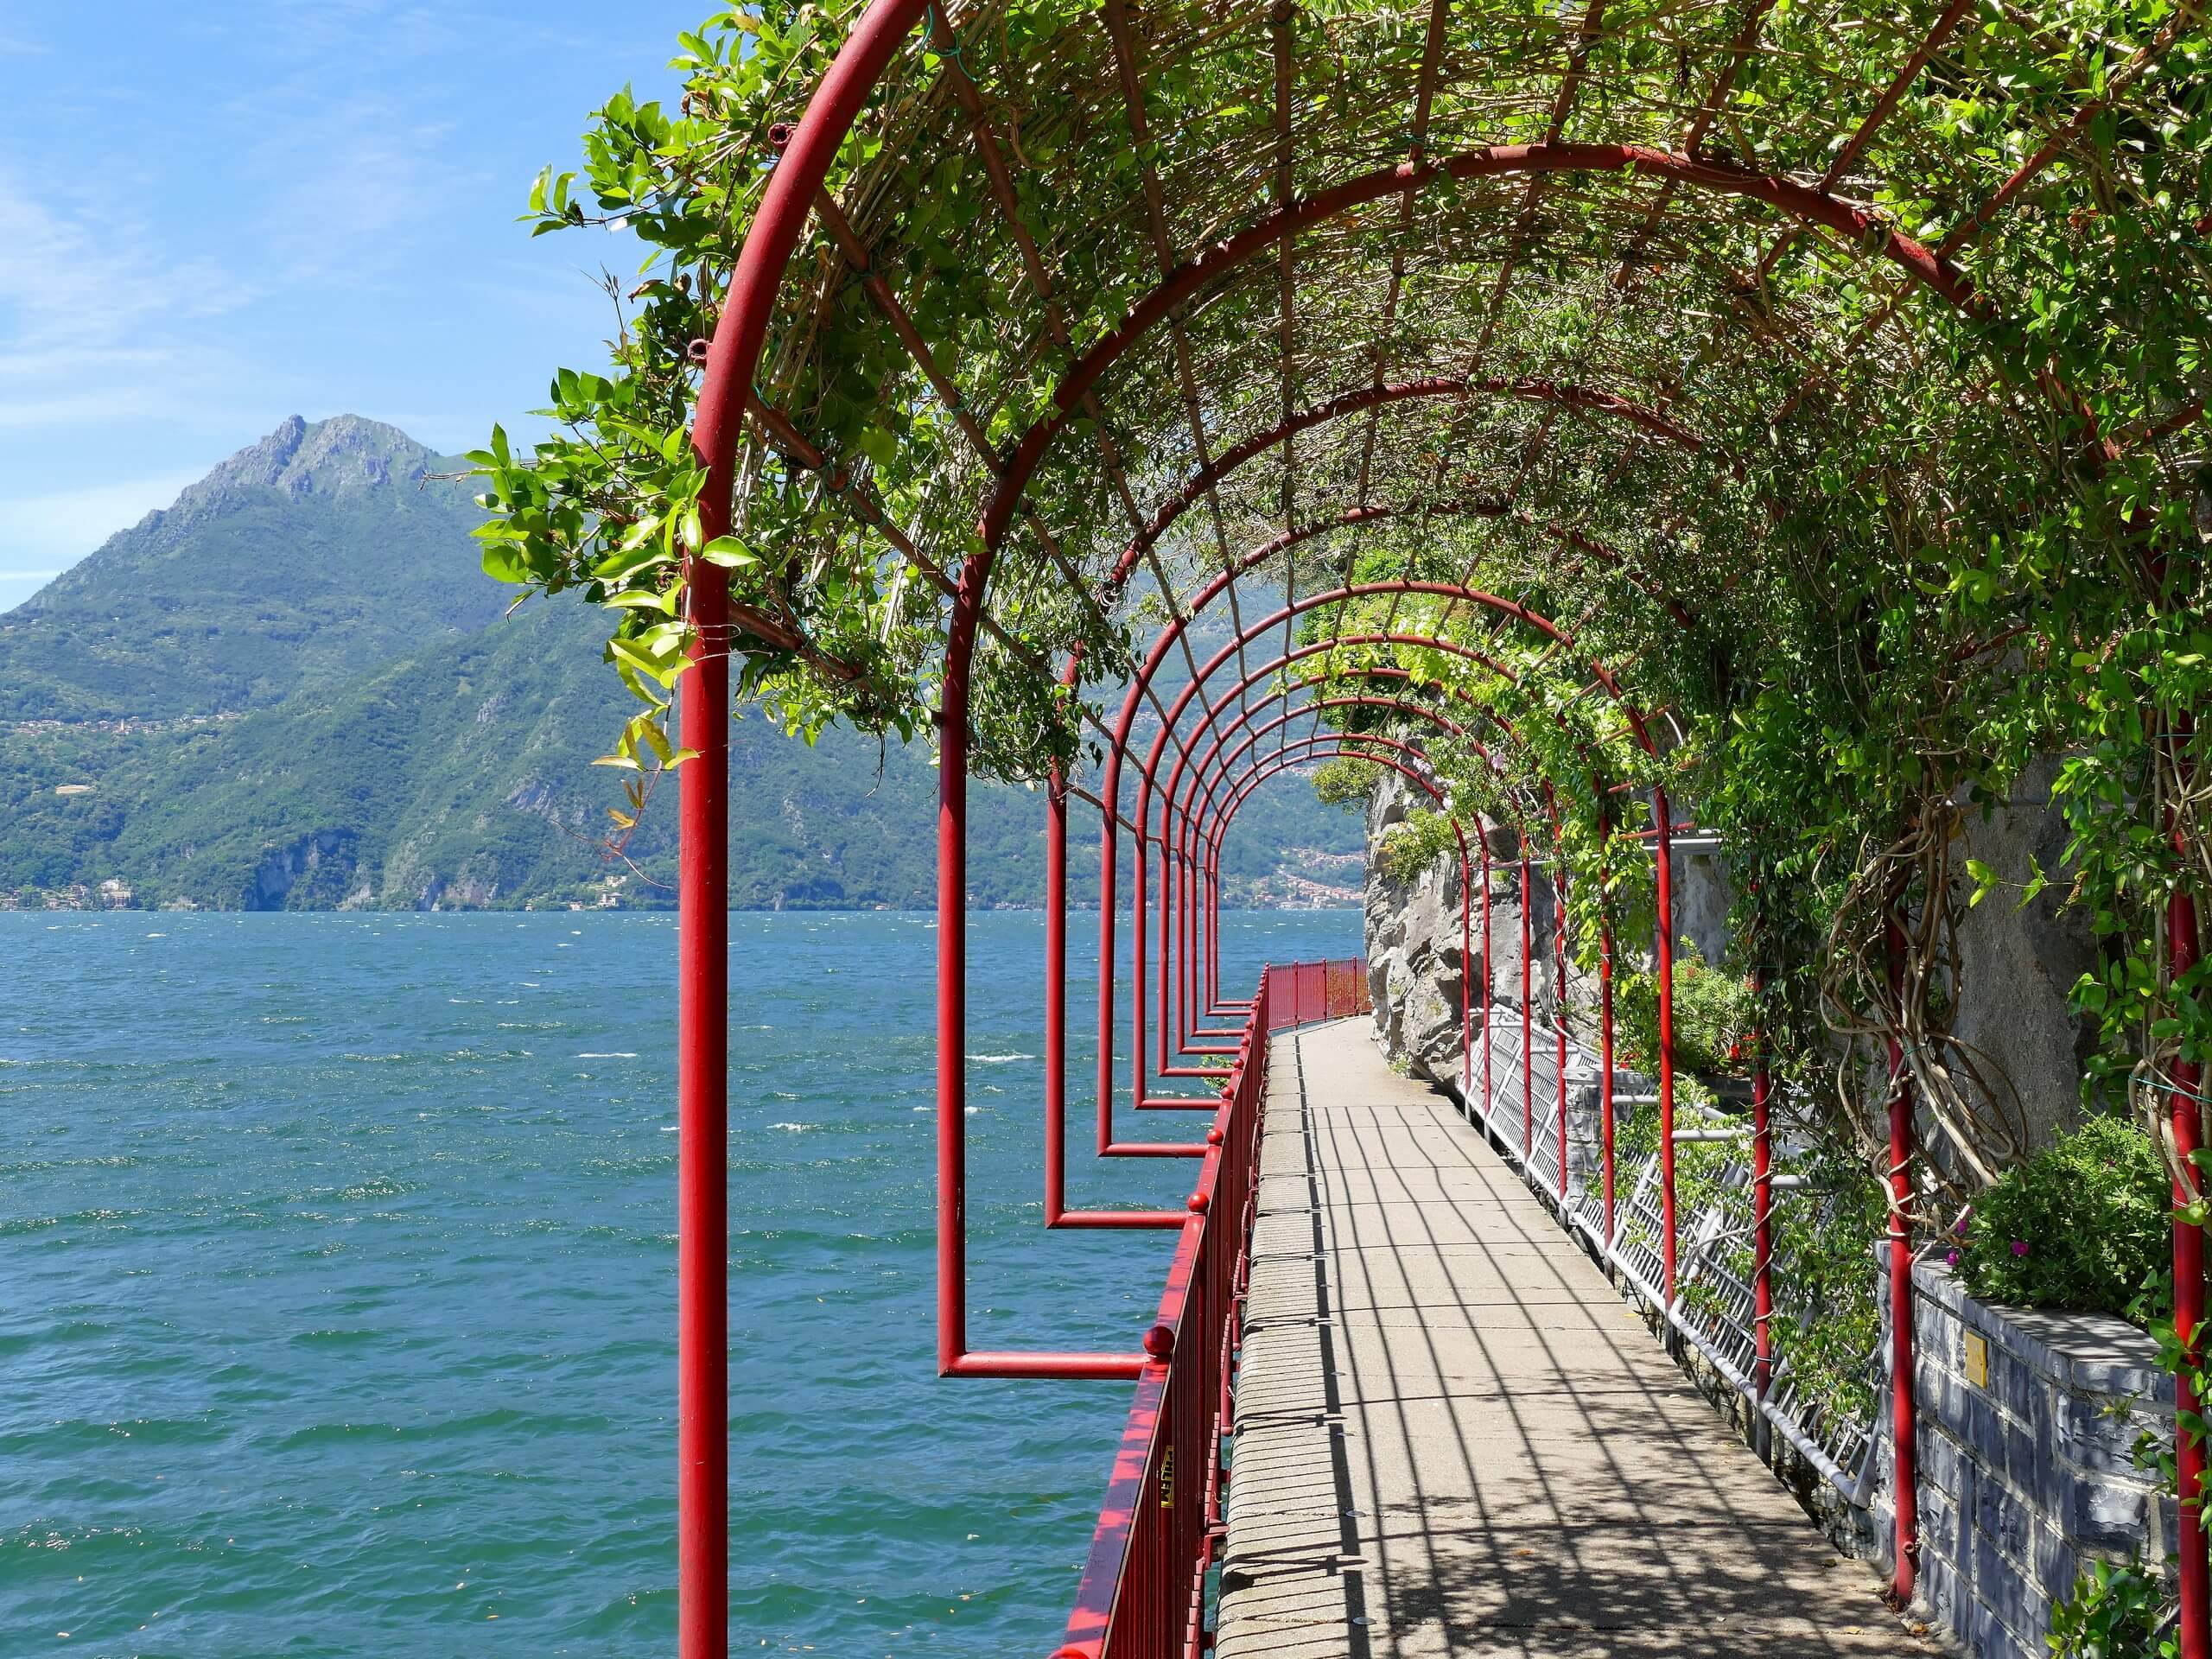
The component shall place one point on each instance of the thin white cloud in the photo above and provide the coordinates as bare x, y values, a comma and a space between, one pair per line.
90, 280
95, 320
28, 576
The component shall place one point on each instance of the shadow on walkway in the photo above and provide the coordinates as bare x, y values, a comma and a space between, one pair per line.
1454, 1438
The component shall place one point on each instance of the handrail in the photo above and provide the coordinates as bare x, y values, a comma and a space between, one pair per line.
1143, 1591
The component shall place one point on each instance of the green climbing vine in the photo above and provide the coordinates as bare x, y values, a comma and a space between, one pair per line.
1876, 542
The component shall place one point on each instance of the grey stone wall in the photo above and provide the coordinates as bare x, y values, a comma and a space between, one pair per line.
2021, 961
2027, 1478
1416, 966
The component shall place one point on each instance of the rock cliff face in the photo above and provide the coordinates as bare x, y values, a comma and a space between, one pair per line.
1415, 964
2020, 963
2022, 960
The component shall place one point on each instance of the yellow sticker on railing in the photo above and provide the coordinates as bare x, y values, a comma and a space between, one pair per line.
1168, 1478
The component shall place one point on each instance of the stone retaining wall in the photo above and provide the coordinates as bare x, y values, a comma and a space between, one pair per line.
2028, 1424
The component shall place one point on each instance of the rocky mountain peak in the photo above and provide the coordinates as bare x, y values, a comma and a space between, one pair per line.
343, 455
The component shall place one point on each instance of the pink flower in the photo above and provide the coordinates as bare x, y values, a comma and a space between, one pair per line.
2019, 1247
1952, 1259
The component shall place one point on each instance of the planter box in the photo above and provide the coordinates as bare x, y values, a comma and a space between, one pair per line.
2029, 1420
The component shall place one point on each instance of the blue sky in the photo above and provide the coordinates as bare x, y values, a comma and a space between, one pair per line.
215, 215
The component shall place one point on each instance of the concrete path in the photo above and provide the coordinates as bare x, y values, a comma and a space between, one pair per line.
1454, 1438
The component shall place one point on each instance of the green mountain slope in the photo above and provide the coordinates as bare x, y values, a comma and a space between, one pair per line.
361, 728
322, 551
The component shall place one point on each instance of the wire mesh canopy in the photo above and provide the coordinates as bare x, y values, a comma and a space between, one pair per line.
1632, 309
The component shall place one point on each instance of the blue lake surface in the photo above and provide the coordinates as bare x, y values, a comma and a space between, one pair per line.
337, 1275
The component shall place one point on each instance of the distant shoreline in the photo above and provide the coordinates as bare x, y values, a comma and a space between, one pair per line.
668, 909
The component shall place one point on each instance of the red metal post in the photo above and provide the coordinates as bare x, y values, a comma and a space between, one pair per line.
1056, 999
2194, 1626
702, 1131
1466, 962
1109, 871
1558, 1002
1528, 1038
952, 991
702, 814
1489, 1086
1762, 1221
1663, 901
1605, 1009
1903, 1414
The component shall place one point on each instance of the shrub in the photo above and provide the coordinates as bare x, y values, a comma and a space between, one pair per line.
1410, 846
1345, 781
2083, 1224
2115, 1612
1715, 1012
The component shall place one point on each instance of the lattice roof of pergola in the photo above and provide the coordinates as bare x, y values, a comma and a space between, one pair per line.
1098, 300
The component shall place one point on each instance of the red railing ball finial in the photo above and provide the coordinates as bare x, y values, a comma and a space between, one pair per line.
1213, 1137
1197, 1203
1160, 1343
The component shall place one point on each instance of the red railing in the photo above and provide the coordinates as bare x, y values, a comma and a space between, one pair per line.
1306, 991
1143, 1589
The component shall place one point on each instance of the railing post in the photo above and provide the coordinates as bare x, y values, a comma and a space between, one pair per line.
1528, 1043
1903, 1415
2194, 1627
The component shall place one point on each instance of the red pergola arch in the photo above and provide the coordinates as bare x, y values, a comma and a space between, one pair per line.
732, 361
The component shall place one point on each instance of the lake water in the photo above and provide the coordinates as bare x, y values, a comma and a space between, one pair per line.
337, 1275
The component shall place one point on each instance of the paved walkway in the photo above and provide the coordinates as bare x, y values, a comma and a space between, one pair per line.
1453, 1437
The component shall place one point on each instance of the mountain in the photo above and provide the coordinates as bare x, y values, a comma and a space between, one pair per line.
295, 689
322, 551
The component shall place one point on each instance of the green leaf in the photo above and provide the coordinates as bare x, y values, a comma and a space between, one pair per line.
730, 553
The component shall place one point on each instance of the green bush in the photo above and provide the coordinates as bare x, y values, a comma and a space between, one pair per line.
1345, 781
2115, 1612
1715, 1012
2083, 1224
1410, 846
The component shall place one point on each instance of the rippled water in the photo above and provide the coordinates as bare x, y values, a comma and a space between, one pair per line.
337, 1274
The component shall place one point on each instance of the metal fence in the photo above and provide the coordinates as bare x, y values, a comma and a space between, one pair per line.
1728, 1281
1143, 1593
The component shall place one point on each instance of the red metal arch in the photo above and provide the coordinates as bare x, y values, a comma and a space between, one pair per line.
1217, 768
1056, 1212
1663, 942
1213, 768
1110, 786
1235, 648
1352, 403
733, 359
